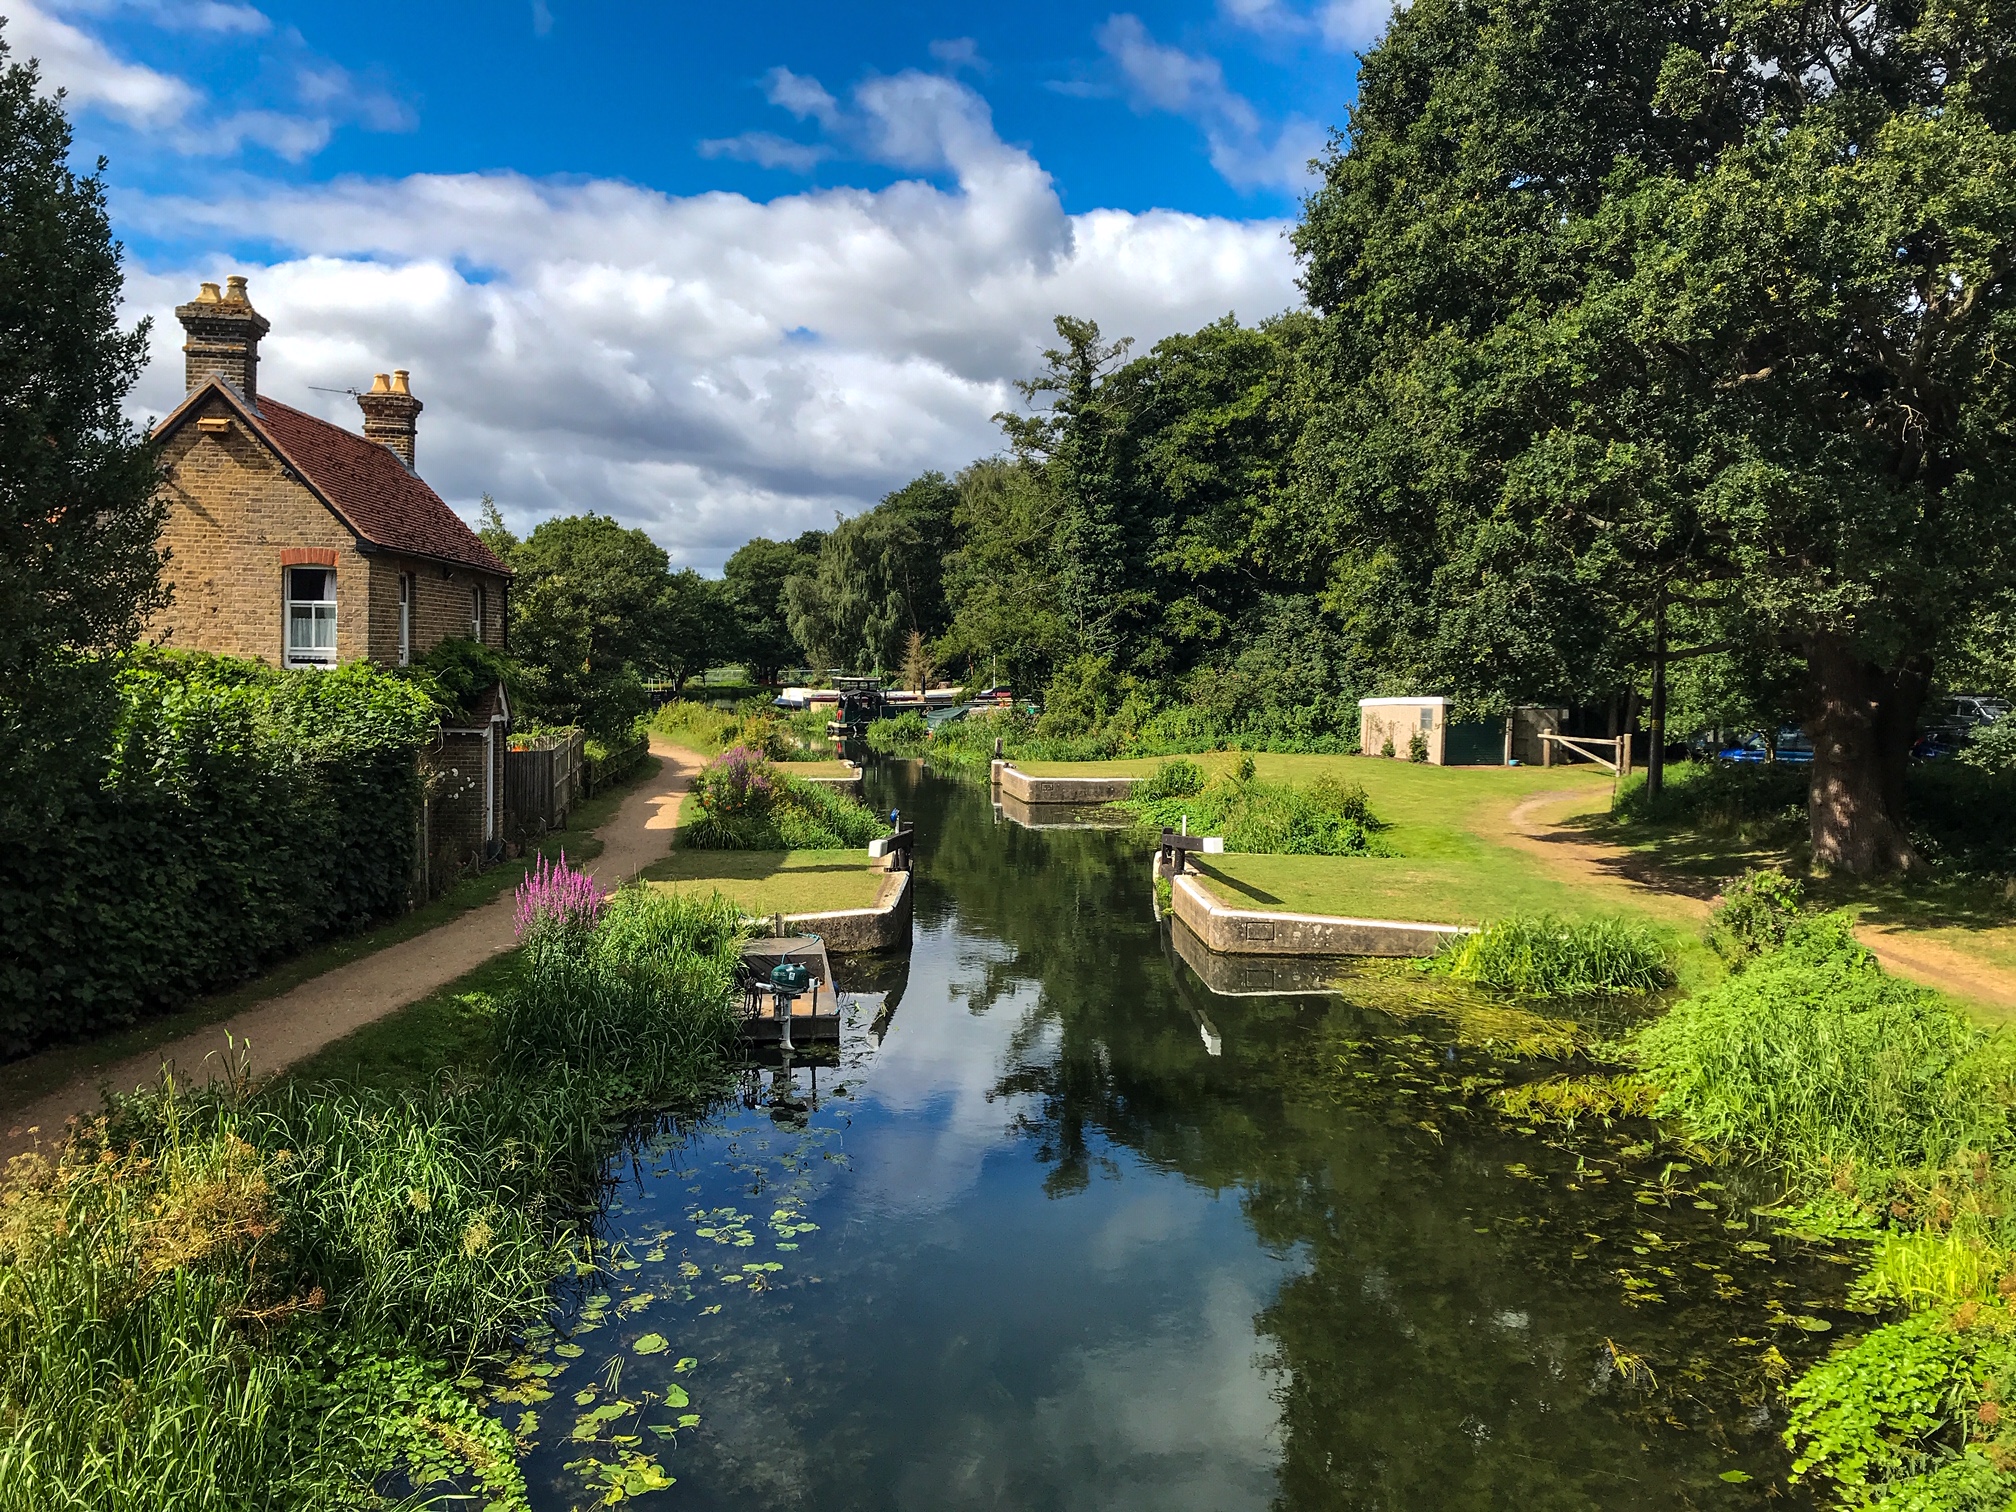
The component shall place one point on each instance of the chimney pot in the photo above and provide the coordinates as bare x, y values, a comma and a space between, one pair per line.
391, 413
223, 340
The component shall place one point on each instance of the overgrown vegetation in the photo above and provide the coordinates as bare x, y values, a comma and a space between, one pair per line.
745, 802
1325, 818
267, 1298
1540, 955
754, 723
1889, 1115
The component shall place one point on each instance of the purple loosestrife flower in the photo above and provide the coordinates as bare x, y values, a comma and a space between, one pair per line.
555, 894
737, 781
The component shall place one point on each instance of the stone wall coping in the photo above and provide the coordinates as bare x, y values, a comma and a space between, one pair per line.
847, 929
1237, 931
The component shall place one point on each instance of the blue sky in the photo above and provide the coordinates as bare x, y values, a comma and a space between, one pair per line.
718, 270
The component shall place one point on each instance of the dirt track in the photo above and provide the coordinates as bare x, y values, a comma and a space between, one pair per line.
1576, 859
325, 1008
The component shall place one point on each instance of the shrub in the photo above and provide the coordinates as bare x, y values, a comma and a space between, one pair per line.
1173, 779
745, 803
1327, 818
1815, 1057
1722, 797
1544, 956
903, 736
190, 819
1417, 747
1756, 911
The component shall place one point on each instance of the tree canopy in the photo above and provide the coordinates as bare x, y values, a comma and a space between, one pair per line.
78, 483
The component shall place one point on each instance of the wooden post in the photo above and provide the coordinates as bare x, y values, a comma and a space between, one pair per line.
1508, 739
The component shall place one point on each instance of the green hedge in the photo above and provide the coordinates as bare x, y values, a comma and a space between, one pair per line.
172, 823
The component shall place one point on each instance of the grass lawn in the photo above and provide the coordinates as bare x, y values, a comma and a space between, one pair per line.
24, 1080
1444, 823
410, 1047
767, 882
817, 769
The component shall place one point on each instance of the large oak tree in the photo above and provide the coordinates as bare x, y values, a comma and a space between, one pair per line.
1644, 316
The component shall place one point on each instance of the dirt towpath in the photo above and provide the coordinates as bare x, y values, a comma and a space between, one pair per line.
1581, 861
325, 1008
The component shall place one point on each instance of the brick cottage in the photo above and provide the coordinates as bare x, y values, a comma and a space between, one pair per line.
297, 542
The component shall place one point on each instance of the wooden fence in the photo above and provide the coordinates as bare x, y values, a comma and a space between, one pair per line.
543, 782
618, 764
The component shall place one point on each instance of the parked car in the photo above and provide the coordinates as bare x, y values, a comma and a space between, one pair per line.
1790, 743
1952, 722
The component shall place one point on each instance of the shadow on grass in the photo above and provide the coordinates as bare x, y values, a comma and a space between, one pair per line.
1245, 890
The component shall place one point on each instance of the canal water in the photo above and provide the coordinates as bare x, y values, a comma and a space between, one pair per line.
1061, 1228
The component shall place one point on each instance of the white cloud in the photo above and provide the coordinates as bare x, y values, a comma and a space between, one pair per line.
598, 345
175, 113
1341, 25
77, 62
1349, 24
958, 52
1160, 77
806, 98
767, 150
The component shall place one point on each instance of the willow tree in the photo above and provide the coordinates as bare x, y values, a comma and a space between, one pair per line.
1643, 314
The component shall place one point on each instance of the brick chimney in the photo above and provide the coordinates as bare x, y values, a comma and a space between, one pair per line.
391, 413
224, 332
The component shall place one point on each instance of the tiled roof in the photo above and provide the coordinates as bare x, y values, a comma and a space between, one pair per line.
365, 483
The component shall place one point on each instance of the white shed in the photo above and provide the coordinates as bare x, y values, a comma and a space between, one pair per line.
1388, 726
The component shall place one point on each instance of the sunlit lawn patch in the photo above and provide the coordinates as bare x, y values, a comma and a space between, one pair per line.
767, 882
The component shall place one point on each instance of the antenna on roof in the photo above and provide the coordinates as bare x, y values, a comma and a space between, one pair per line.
353, 393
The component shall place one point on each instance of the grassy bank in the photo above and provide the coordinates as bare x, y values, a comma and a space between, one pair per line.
1875, 1110
782, 735
1714, 821
23, 1081
268, 1297
766, 882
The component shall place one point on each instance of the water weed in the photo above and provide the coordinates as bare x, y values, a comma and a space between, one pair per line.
1539, 955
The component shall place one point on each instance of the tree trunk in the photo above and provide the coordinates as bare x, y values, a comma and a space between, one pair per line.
1863, 722
1655, 749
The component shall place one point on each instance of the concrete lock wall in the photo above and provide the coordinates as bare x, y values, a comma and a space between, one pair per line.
1027, 789
1250, 931
850, 929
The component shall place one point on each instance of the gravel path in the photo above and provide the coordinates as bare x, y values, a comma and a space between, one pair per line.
325, 1008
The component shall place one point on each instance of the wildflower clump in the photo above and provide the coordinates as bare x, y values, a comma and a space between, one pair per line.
743, 802
556, 895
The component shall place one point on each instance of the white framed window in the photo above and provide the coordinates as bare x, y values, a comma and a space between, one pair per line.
405, 618
476, 613
311, 616
1428, 719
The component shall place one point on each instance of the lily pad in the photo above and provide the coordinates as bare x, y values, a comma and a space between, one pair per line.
651, 1344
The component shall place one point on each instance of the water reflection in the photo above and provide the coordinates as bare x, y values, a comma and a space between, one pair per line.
1067, 1229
